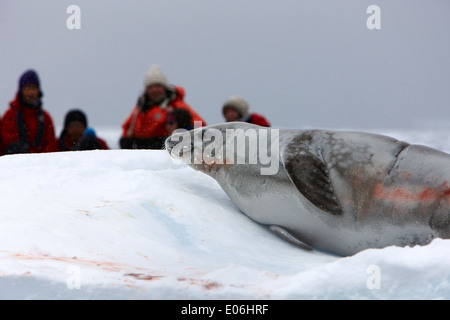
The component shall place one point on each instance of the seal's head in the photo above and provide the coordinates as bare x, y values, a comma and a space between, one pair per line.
210, 148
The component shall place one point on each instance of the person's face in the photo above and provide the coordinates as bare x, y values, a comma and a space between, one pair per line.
155, 92
30, 93
75, 130
171, 126
231, 114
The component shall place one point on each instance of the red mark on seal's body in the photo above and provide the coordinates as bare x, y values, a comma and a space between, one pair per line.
408, 194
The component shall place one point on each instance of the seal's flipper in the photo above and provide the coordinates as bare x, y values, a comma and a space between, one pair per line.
309, 174
285, 235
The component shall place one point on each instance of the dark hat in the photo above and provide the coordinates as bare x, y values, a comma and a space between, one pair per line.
75, 115
182, 116
27, 78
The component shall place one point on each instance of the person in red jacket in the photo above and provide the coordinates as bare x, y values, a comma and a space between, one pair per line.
145, 127
77, 136
237, 109
26, 127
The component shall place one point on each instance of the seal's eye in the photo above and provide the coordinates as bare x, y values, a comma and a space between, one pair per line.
203, 132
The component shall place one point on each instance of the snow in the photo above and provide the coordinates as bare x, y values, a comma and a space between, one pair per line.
122, 224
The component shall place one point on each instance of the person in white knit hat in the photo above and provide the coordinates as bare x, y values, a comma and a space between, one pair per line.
156, 84
145, 127
236, 108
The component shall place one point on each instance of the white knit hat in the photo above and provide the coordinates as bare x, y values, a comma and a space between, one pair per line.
237, 103
155, 76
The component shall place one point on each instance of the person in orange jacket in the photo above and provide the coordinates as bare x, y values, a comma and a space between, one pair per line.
145, 127
236, 108
26, 127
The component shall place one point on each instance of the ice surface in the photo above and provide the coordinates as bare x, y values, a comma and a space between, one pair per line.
122, 224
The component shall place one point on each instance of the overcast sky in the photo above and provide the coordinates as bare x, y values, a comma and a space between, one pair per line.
300, 63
